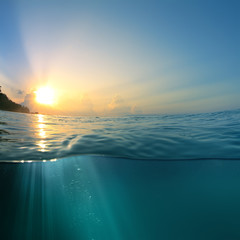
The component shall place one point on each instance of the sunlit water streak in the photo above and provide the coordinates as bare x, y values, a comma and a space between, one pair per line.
97, 198
153, 137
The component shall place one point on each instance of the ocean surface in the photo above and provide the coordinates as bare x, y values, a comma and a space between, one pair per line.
159, 137
158, 177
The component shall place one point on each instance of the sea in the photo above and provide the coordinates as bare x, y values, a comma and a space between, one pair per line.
143, 177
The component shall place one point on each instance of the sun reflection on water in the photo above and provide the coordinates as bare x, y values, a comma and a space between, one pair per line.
41, 128
42, 145
42, 133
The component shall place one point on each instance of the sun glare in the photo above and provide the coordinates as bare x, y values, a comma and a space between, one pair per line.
45, 95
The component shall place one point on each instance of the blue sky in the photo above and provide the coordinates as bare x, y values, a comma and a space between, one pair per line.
123, 56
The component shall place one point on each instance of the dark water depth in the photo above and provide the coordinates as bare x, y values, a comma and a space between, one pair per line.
98, 198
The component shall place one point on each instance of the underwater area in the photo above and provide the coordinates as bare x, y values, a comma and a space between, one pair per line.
133, 177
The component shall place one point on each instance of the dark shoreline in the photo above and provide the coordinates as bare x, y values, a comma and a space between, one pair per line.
8, 105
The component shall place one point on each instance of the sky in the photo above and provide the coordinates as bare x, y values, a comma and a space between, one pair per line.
112, 57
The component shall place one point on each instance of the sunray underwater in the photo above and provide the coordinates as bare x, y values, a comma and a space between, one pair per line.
119, 120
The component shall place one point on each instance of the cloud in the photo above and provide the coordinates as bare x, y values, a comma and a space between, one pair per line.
20, 92
118, 106
29, 101
116, 102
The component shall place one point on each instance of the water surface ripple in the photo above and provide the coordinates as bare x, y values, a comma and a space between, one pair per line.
160, 137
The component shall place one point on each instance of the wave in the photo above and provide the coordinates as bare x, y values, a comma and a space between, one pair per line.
213, 136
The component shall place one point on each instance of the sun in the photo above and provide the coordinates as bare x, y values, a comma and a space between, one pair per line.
45, 95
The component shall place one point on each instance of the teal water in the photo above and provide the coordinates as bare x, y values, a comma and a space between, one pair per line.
142, 177
186, 136
107, 198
